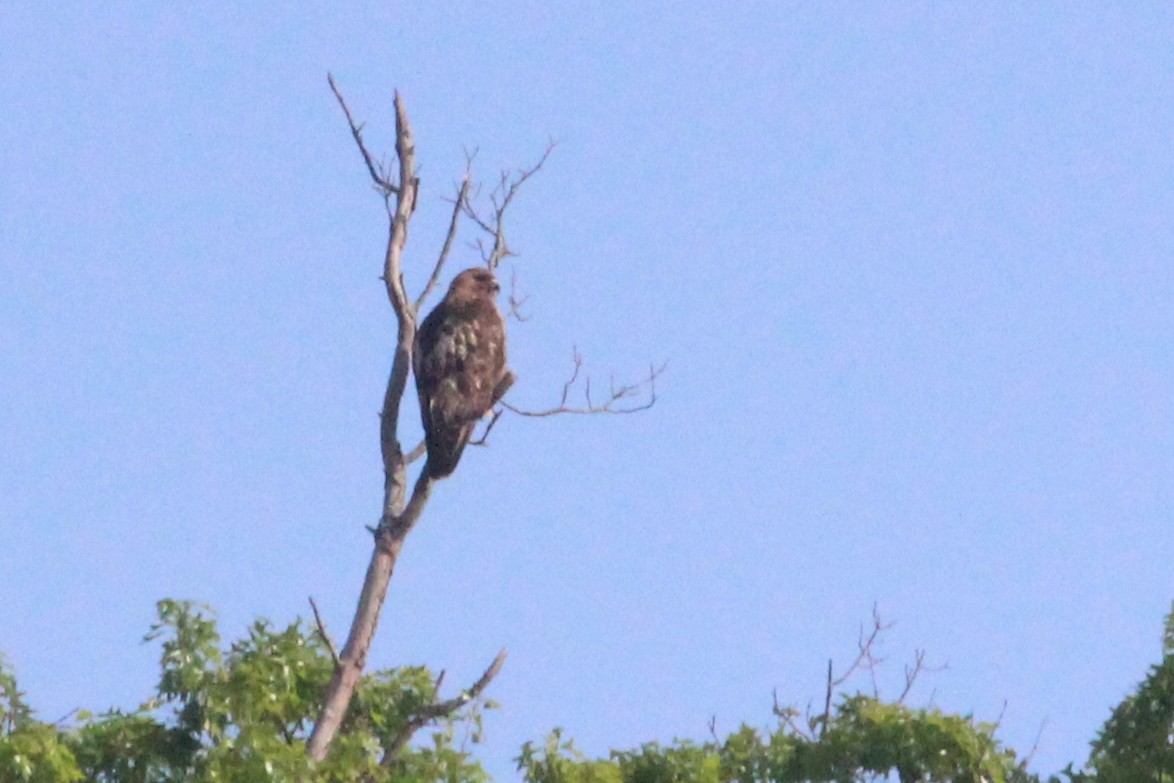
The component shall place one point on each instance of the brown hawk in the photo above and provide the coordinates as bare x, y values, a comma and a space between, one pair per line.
460, 365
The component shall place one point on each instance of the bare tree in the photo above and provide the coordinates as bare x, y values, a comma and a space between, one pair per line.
399, 190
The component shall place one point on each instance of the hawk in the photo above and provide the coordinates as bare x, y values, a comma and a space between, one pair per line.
460, 365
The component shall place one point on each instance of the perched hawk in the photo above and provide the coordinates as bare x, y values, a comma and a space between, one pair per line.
460, 366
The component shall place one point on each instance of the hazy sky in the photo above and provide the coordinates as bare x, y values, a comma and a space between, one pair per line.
910, 265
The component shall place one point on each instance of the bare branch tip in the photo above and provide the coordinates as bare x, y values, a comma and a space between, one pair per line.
322, 634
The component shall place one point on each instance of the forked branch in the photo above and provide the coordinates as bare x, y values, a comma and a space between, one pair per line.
378, 175
865, 656
438, 710
515, 299
493, 225
914, 671
616, 400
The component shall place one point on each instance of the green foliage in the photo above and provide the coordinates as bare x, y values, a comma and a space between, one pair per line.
873, 737
1136, 744
240, 715
683, 762
35, 753
864, 739
14, 713
559, 761
243, 715
30, 751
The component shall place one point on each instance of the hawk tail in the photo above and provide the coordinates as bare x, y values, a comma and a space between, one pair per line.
445, 449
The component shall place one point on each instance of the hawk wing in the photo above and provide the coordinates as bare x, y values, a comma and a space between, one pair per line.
459, 361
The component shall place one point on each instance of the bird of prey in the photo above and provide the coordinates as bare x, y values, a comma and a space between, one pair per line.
460, 365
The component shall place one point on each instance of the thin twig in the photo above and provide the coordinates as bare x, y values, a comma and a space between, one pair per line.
485, 435
912, 673
1035, 745
827, 701
864, 646
610, 405
375, 169
999, 720
322, 634
60, 722
499, 199
416, 453
458, 207
577, 358
516, 302
787, 715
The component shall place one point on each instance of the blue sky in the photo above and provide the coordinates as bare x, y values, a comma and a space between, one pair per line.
910, 265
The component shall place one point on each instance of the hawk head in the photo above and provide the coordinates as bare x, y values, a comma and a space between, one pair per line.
472, 285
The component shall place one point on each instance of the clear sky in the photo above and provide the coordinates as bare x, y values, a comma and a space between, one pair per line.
910, 265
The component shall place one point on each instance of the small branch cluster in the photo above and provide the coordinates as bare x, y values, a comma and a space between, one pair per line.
492, 223
789, 715
614, 401
866, 659
912, 672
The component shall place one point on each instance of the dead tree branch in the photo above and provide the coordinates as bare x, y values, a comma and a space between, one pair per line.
378, 175
416, 453
459, 205
611, 404
912, 673
1035, 745
439, 709
394, 524
494, 226
827, 702
865, 657
482, 441
516, 301
787, 716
